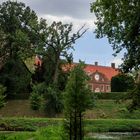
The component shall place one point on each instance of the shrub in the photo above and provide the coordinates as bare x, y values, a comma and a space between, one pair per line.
36, 101
122, 83
111, 95
54, 102
36, 97
15, 76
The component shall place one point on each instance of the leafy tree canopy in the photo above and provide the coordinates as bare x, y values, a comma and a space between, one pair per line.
58, 41
119, 21
122, 83
15, 76
20, 30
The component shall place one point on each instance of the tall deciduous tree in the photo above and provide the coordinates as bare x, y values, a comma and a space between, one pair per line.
19, 30
20, 34
119, 20
78, 98
59, 41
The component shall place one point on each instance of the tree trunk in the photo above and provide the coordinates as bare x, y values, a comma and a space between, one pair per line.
75, 126
80, 127
56, 73
70, 127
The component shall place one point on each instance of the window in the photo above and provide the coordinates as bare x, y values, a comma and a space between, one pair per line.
108, 88
102, 88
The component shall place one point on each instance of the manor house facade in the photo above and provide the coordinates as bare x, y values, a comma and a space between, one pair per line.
100, 76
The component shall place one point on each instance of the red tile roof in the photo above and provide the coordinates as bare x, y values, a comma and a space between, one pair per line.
109, 72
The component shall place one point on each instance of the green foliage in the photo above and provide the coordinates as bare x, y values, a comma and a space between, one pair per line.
112, 125
111, 95
58, 41
47, 97
55, 132
36, 101
2, 96
51, 133
37, 96
119, 21
20, 33
135, 95
26, 124
20, 30
16, 136
77, 99
15, 76
122, 83
53, 100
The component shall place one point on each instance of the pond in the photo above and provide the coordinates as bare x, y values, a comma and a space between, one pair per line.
115, 136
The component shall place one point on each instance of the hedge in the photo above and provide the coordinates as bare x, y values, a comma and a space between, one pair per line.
111, 95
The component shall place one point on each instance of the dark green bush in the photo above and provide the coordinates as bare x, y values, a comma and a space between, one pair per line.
54, 102
36, 101
37, 96
15, 76
122, 83
111, 95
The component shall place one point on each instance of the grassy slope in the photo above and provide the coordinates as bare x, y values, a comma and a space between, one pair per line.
104, 109
19, 108
110, 109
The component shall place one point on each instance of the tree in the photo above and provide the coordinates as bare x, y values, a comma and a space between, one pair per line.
59, 40
122, 83
20, 34
119, 21
19, 29
16, 77
77, 99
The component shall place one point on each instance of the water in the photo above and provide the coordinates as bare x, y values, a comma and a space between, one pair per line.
115, 136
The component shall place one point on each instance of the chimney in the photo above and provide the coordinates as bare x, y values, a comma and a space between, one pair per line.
96, 63
113, 65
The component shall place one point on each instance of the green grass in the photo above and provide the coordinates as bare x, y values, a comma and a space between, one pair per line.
91, 125
26, 124
110, 109
112, 125
16, 136
104, 109
52, 128
55, 132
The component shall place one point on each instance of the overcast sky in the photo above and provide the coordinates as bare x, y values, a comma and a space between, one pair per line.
87, 48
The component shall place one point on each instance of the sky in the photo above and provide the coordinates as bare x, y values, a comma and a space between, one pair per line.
87, 48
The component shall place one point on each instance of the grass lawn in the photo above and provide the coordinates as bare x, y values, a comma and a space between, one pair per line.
51, 129
91, 125
104, 109
111, 109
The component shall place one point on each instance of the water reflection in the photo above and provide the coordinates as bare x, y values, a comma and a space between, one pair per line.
115, 136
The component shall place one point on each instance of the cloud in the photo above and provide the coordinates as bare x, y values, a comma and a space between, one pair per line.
74, 8
77, 23
67, 11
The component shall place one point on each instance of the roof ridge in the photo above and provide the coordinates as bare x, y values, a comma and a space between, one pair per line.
96, 65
